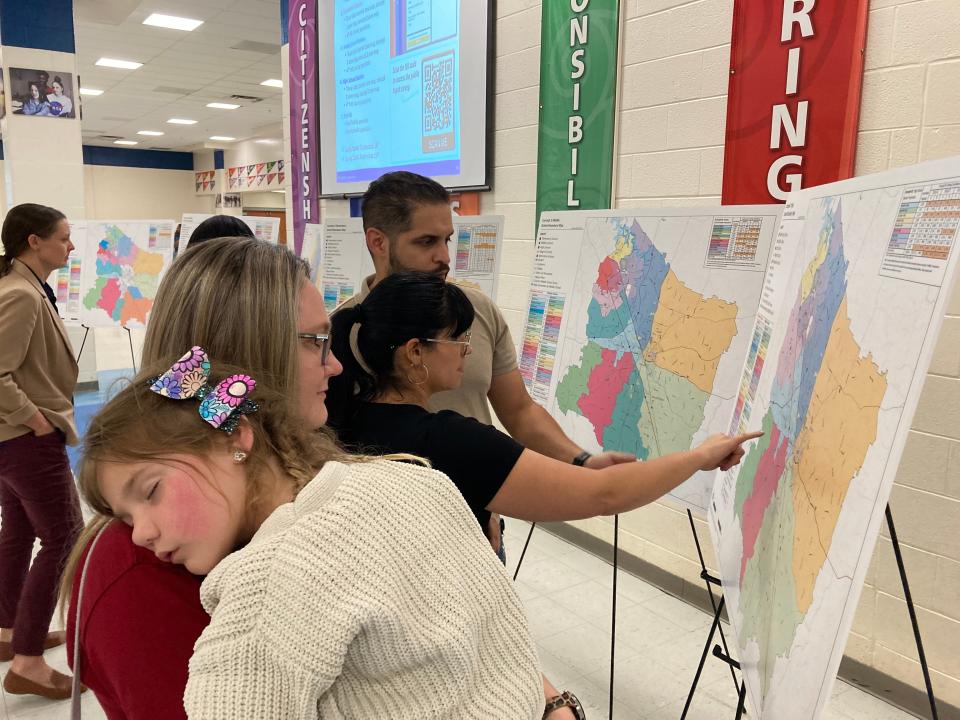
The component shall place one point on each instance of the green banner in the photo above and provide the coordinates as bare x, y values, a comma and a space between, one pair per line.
578, 93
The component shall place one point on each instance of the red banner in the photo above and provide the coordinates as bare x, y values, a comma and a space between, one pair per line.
796, 69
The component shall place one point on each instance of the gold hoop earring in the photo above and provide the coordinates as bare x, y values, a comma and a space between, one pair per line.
426, 374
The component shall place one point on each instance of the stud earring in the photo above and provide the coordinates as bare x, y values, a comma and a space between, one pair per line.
239, 456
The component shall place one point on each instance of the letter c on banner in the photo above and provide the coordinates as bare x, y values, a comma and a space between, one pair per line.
300, 12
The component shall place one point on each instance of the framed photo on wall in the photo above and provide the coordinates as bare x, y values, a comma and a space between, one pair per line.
42, 93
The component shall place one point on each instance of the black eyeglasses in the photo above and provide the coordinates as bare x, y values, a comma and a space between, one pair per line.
322, 341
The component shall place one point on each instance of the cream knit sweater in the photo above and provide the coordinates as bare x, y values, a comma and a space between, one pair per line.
373, 595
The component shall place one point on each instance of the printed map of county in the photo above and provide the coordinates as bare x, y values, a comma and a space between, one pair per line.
821, 420
653, 346
125, 281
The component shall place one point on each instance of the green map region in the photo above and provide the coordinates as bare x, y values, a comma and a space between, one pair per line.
651, 354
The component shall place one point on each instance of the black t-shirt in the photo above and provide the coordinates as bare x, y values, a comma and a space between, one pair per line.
476, 457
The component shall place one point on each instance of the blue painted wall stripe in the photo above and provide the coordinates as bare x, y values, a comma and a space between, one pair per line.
284, 20
154, 159
38, 24
218, 163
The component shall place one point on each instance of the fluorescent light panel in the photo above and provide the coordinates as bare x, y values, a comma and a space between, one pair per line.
125, 142
114, 63
267, 141
151, 133
90, 91
172, 22
222, 138
222, 106
181, 121
273, 83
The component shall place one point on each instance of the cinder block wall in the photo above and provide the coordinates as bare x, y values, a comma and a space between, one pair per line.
675, 61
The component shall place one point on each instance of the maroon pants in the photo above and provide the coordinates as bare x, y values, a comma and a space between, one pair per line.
38, 499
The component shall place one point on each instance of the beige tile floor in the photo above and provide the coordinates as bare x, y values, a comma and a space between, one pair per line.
567, 595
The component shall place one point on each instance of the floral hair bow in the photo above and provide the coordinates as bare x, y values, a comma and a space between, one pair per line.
220, 406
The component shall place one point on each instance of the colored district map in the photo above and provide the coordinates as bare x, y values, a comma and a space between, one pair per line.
820, 422
126, 278
653, 345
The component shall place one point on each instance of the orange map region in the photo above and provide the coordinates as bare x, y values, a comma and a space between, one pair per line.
840, 427
690, 333
135, 309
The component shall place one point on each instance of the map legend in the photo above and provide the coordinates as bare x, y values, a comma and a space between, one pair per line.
751, 376
476, 248
335, 293
539, 350
734, 241
923, 233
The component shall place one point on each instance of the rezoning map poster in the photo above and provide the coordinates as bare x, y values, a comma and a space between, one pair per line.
639, 322
123, 264
852, 303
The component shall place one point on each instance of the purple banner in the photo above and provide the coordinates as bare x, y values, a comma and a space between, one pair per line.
304, 160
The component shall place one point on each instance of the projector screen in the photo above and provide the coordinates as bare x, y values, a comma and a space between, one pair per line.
402, 86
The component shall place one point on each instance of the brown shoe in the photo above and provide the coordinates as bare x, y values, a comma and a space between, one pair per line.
54, 639
19, 685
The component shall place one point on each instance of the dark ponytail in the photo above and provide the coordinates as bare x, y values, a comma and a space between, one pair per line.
400, 308
20, 223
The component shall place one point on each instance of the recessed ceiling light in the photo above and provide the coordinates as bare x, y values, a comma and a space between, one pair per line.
125, 142
151, 133
222, 106
222, 138
282, 192
90, 91
273, 83
172, 22
267, 141
181, 121
122, 64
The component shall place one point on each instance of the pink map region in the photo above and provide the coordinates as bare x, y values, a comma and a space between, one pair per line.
769, 472
606, 290
109, 296
604, 384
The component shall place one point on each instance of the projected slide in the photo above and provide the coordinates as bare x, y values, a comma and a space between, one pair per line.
397, 87
403, 85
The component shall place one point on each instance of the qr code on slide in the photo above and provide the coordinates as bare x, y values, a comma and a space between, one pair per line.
438, 102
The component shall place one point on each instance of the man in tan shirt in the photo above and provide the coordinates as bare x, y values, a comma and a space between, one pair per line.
407, 225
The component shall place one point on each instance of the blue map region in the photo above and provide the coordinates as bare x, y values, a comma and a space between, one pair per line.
623, 432
644, 271
809, 330
124, 245
106, 260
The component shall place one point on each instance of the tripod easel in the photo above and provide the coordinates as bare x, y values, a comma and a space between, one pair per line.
723, 654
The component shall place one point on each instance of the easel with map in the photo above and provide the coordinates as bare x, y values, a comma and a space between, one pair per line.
722, 652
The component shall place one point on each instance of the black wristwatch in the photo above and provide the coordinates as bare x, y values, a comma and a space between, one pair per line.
564, 699
582, 458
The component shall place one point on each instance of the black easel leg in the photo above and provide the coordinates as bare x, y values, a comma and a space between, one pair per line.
133, 358
913, 615
86, 331
613, 614
520, 561
703, 657
742, 702
713, 604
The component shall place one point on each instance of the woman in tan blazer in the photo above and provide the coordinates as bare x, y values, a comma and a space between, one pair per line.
38, 498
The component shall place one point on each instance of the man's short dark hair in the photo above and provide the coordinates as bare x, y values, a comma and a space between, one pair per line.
391, 199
